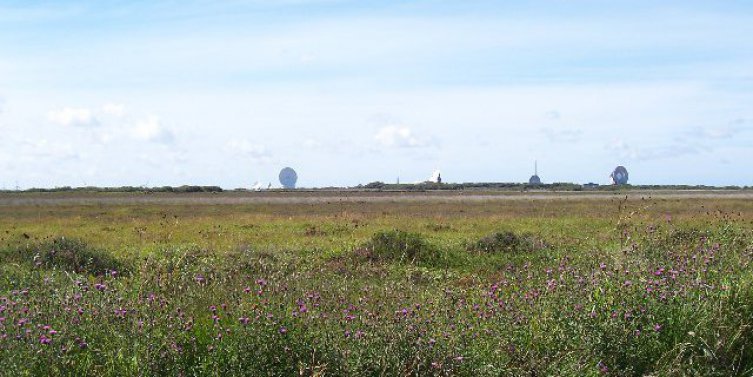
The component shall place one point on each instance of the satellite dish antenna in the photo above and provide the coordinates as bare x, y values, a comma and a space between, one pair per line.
436, 177
619, 176
288, 178
535, 180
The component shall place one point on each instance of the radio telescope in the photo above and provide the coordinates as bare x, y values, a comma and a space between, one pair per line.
436, 177
288, 178
535, 180
619, 176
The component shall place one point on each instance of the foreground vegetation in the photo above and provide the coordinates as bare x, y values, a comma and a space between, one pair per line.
616, 286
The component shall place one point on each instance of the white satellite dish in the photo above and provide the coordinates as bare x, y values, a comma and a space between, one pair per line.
257, 186
288, 178
436, 177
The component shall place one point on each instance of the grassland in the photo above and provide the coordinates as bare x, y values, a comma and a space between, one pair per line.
652, 283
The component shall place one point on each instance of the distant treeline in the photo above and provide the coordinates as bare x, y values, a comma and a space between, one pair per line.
512, 186
381, 186
184, 188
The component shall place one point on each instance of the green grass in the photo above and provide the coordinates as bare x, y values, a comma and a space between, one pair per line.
501, 288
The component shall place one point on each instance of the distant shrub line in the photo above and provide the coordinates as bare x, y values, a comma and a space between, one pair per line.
381, 186
177, 189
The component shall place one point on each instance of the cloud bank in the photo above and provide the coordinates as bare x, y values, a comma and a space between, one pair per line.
76, 117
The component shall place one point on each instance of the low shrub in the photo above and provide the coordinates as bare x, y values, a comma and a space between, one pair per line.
507, 242
71, 255
397, 245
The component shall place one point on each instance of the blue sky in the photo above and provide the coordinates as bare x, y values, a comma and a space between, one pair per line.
229, 92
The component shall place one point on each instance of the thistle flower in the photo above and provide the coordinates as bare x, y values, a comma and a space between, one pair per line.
602, 368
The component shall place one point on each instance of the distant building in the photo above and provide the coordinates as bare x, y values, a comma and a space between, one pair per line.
590, 185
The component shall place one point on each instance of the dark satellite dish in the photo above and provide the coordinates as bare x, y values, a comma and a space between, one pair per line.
288, 178
535, 180
619, 176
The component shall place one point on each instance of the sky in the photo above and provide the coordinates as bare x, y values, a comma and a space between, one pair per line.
227, 93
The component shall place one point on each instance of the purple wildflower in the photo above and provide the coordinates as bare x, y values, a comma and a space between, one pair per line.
602, 368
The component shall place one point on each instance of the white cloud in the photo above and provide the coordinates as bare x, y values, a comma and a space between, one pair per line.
553, 114
724, 132
152, 130
245, 148
728, 131
562, 135
625, 150
43, 148
114, 109
398, 137
312, 144
70, 116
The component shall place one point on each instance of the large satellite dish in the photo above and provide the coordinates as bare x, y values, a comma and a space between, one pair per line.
288, 178
619, 176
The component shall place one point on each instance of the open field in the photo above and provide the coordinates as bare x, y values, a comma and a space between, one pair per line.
373, 283
329, 197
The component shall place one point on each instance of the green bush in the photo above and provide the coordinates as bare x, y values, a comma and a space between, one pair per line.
71, 255
398, 245
507, 242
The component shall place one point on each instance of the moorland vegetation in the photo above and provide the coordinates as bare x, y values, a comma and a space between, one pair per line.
618, 287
